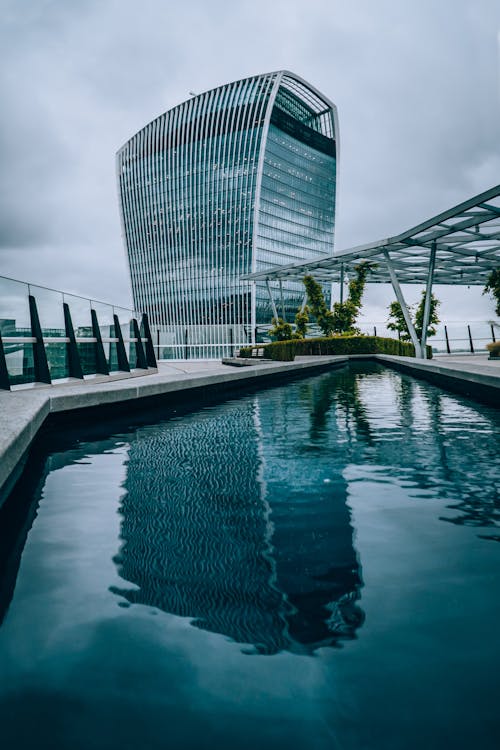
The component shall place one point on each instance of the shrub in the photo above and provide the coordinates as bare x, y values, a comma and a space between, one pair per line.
281, 351
355, 345
281, 330
285, 351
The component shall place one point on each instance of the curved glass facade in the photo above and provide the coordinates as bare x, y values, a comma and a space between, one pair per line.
234, 180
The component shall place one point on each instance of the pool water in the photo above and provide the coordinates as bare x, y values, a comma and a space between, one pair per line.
308, 566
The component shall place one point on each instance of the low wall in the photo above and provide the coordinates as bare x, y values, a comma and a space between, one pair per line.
480, 382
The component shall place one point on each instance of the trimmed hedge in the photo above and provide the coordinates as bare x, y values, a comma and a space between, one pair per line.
285, 351
280, 351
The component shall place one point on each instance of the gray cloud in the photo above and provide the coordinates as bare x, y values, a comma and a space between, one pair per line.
416, 84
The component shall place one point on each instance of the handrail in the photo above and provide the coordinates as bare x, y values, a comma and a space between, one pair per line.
40, 343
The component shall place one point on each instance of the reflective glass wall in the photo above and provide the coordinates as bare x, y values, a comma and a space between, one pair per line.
296, 218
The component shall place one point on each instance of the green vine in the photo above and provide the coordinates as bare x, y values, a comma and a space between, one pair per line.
346, 313
301, 323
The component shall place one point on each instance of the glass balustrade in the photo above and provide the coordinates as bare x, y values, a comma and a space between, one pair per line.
49, 336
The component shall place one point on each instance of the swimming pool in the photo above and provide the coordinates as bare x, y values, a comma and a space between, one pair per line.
306, 566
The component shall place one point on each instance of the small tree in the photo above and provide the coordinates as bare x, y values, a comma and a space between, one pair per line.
344, 317
281, 331
397, 321
301, 322
433, 316
493, 287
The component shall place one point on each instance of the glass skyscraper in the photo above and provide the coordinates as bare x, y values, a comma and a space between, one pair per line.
232, 181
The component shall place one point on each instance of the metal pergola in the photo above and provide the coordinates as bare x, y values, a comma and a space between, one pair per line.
458, 246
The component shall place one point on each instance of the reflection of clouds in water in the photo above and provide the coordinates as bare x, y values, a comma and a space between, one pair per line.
154, 682
432, 443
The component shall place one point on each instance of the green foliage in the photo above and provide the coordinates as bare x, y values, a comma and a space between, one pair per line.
493, 287
357, 284
281, 330
494, 349
356, 345
433, 317
281, 351
397, 321
343, 317
315, 296
301, 323
317, 305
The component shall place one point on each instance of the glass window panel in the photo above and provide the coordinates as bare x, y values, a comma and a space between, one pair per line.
106, 326
15, 322
87, 355
125, 319
79, 308
51, 314
14, 308
50, 311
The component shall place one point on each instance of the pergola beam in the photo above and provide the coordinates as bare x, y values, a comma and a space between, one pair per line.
467, 246
489, 207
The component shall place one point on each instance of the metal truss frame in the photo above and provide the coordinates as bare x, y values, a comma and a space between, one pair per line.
460, 246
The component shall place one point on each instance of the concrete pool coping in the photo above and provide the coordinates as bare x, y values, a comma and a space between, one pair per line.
23, 412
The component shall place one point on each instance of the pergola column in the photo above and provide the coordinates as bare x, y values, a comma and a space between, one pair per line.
428, 298
402, 303
282, 300
275, 312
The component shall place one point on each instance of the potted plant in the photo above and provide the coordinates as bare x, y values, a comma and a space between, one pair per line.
494, 350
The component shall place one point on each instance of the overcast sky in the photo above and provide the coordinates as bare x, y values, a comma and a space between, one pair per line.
416, 83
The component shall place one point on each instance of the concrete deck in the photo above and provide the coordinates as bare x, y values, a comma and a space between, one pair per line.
23, 412
471, 374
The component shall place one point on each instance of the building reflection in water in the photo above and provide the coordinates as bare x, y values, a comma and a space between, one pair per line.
232, 519
236, 516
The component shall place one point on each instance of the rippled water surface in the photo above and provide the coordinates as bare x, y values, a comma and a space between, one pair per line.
310, 566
